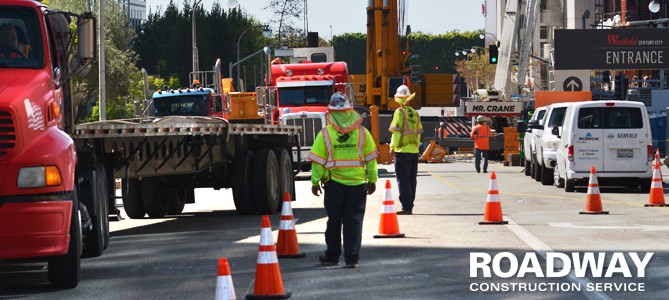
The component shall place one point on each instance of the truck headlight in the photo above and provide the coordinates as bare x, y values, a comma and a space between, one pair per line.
34, 177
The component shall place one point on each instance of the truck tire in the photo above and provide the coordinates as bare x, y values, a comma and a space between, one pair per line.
132, 198
266, 183
528, 167
93, 193
546, 176
557, 180
177, 201
286, 179
569, 185
533, 168
154, 204
242, 182
64, 271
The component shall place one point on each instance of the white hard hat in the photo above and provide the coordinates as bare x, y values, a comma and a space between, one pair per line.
403, 91
479, 118
339, 102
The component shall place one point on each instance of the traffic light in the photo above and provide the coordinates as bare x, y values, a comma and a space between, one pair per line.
620, 83
493, 53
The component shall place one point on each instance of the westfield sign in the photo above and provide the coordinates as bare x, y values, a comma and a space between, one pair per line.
611, 49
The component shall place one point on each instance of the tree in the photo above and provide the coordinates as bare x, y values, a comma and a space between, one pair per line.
477, 71
120, 61
285, 12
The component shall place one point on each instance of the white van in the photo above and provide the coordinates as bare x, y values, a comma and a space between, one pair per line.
612, 136
545, 143
528, 146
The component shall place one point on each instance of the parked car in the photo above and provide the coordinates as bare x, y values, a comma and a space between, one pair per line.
528, 147
612, 136
545, 142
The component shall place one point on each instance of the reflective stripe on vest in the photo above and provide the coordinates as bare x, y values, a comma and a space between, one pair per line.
405, 126
345, 163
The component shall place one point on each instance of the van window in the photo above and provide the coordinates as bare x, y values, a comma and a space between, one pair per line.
557, 116
609, 117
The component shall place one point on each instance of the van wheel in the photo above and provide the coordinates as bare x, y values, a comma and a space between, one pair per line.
559, 182
546, 176
64, 271
645, 185
528, 167
569, 185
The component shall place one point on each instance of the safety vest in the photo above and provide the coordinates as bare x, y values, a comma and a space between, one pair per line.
343, 161
481, 134
21, 52
410, 129
442, 133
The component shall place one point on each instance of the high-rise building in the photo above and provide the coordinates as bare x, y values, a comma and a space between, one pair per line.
136, 11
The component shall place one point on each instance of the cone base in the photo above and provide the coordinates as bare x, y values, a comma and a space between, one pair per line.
383, 236
656, 205
593, 213
281, 296
296, 255
493, 222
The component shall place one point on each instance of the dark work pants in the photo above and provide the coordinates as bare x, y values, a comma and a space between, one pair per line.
478, 155
406, 170
344, 205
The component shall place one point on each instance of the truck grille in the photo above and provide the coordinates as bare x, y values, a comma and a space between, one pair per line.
310, 128
7, 133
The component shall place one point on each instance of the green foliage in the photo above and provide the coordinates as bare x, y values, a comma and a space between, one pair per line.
431, 50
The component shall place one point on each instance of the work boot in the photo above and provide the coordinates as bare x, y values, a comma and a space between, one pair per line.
327, 261
404, 212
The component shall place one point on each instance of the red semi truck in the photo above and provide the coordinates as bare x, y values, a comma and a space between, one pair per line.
39, 172
298, 95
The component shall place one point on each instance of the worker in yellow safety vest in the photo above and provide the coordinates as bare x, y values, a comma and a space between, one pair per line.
481, 134
406, 130
343, 160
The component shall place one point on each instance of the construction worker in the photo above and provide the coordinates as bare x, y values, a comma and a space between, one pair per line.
343, 160
481, 134
406, 130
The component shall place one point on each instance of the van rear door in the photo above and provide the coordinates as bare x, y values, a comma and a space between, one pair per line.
588, 139
625, 141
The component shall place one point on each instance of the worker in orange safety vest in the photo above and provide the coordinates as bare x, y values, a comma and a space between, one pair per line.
481, 134
10, 47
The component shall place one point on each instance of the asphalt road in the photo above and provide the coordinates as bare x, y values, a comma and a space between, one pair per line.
176, 258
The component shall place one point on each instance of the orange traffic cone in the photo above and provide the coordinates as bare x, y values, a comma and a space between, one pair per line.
268, 283
593, 201
388, 225
656, 198
225, 290
493, 208
286, 245
657, 160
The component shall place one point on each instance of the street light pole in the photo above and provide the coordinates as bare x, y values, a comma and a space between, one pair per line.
196, 63
266, 32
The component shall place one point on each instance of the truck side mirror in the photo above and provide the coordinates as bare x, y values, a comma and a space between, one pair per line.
86, 44
556, 131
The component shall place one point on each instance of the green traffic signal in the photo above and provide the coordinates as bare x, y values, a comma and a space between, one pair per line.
494, 59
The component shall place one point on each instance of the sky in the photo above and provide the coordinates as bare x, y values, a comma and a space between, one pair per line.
329, 17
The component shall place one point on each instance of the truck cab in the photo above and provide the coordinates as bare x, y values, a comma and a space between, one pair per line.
299, 95
188, 102
40, 191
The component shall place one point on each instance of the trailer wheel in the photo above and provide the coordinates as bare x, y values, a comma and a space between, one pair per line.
132, 198
266, 183
93, 193
154, 204
177, 201
64, 271
286, 177
242, 182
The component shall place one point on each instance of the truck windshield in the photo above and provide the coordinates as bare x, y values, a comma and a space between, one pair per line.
305, 95
557, 116
20, 38
192, 105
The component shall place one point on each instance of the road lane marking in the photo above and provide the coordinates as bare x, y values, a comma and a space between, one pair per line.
541, 248
606, 227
